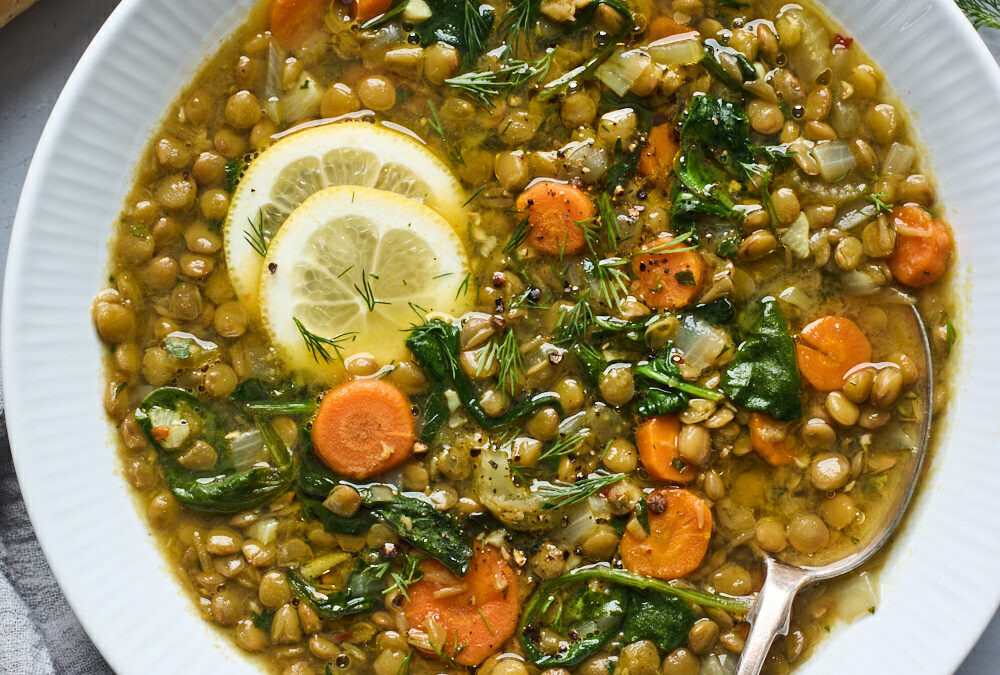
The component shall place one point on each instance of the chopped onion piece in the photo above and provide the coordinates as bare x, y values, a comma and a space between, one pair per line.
795, 296
684, 49
855, 217
272, 86
700, 342
835, 160
899, 160
622, 69
858, 283
417, 11
856, 596
264, 530
519, 508
796, 239
302, 100
247, 449
324, 563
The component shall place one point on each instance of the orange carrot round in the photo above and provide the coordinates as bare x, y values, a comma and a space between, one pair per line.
669, 276
557, 214
657, 158
771, 440
293, 22
664, 26
828, 348
472, 615
363, 428
923, 245
680, 527
363, 10
656, 439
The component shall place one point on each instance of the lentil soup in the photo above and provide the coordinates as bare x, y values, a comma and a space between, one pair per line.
512, 337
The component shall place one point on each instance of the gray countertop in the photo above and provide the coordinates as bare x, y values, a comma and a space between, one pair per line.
38, 51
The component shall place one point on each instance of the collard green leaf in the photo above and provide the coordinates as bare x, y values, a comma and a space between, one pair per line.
764, 376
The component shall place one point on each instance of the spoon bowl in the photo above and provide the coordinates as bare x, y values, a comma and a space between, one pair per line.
771, 612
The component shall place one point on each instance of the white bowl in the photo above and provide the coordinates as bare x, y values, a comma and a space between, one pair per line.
939, 586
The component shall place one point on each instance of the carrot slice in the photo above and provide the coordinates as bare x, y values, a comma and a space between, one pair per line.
771, 440
923, 245
363, 428
657, 159
680, 527
293, 22
557, 214
656, 439
670, 276
828, 348
472, 616
363, 10
664, 26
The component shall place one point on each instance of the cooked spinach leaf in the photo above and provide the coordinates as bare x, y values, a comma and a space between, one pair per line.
174, 420
717, 312
463, 24
764, 376
663, 619
434, 344
362, 593
662, 389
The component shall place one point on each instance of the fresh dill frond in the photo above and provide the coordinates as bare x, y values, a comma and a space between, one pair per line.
563, 495
564, 445
612, 282
406, 577
982, 13
573, 322
367, 293
608, 221
506, 354
435, 121
485, 620
317, 344
518, 22
518, 235
463, 288
404, 667
483, 86
476, 30
880, 200
256, 236
672, 245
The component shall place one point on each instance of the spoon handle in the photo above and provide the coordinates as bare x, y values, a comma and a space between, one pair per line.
770, 614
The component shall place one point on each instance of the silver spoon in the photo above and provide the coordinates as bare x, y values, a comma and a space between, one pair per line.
771, 612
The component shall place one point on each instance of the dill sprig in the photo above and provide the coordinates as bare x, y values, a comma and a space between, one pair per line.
455, 651
672, 245
573, 322
565, 444
317, 344
256, 236
475, 29
612, 282
404, 667
517, 23
880, 201
608, 221
485, 85
406, 577
506, 353
517, 235
563, 495
367, 293
982, 13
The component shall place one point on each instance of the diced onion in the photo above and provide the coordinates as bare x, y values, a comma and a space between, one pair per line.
795, 296
264, 530
858, 283
272, 86
519, 508
855, 217
899, 160
717, 664
585, 159
796, 239
247, 449
622, 69
324, 563
700, 342
302, 100
856, 597
684, 49
835, 160
417, 11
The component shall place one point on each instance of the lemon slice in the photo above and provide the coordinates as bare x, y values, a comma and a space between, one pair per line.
355, 266
297, 166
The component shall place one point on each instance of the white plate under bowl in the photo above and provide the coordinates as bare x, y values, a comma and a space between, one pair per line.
939, 587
